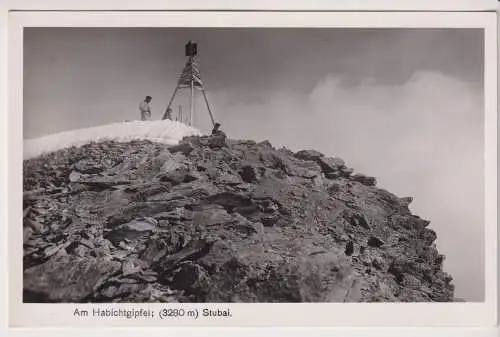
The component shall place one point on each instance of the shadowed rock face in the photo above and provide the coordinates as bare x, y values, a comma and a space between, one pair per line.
244, 222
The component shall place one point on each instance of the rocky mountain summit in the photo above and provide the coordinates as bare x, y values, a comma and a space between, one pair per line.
209, 222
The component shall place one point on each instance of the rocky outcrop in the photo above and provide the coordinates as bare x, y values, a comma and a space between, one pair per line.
243, 222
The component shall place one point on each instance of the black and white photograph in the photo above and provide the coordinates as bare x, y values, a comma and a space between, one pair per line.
283, 165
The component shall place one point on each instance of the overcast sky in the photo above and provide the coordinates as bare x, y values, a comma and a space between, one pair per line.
403, 105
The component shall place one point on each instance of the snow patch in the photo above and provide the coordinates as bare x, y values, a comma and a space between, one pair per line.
165, 132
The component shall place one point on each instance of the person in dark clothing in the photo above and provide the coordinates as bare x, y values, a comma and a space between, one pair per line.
216, 130
218, 137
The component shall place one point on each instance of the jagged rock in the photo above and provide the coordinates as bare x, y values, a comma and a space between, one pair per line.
406, 201
346, 171
315, 278
269, 220
217, 141
36, 226
303, 169
365, 180
397, 271
136, 229
74, 176
120, 290
229, 179
329, 164
212, 216
133, 266
333, 175
229, 200
192, 278
309, 155
377, 264
373, 241
81, 251
178, 176
52, 250
27, 233
212, 173
162, 244
184, 148
87, 166
66, 279
178, 214
349, 248
428, 235
144, 222
194, 249
171, 165
245, 227
145, 277
248, 173
420, 224
265, 143
359, 220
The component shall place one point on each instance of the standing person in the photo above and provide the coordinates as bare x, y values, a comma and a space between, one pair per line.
145, 108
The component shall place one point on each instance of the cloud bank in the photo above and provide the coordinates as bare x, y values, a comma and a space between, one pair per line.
422, 139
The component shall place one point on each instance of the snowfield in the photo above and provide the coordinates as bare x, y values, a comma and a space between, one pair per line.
164, 131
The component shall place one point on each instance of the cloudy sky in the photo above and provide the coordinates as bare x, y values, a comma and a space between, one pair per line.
403, 105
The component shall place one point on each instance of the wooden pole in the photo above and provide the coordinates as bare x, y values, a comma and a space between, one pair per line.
191, 105
170, 103
208, 107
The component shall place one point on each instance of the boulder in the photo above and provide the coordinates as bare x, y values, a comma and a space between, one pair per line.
177, 176
316, 278
74, 177
373, 241
191, 278
312, 155
346, 171
248, 173
162, 244
229, 179
365, 180
88, 166
184, 148
217, 141
193, 250
66, 278
171, 165
428, 235
211, 217
329, 164
134, 230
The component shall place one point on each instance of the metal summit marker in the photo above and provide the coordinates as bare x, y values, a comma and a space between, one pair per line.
190, 79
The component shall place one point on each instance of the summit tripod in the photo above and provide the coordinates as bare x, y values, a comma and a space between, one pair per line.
190, 79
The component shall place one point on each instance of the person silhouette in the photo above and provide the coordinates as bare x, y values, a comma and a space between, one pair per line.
145, 108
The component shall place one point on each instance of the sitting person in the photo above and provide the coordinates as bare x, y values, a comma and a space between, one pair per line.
217, 131
218, 137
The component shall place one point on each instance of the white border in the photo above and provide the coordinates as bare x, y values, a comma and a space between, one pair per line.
3, 166
424, 314
337, 5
